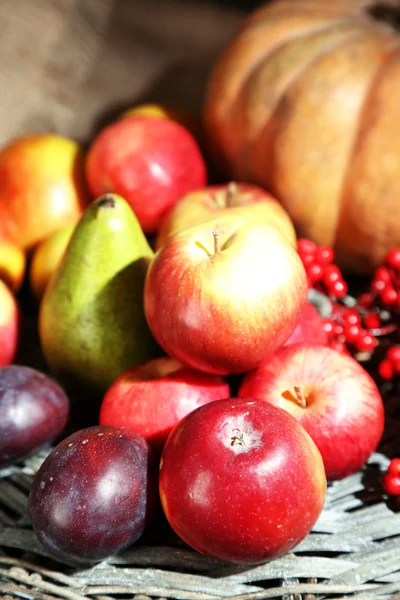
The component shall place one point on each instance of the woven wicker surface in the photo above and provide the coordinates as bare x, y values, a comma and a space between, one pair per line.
352, 551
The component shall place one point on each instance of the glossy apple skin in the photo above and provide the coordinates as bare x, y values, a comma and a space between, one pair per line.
34, 410
149, 162
153, 397
309, 329
241, 481
224, 312
344, 412
10, 325
89, 498
42, 185
241, 199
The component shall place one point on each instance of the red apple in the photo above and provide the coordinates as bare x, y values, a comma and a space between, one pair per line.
241, 481
151, 398
224, 295
150, 162
9, 325
331, 395
310, 328
242, 199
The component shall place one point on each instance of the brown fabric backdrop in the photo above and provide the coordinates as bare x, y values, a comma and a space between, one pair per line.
70, 66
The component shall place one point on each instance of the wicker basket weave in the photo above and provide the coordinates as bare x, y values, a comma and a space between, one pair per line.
352, 551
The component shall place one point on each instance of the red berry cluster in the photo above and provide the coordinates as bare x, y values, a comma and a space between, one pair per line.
357, 324
347, 330
391, 479
389, 366
322, 274
385, 285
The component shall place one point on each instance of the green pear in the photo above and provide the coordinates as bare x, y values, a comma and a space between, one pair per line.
91, 319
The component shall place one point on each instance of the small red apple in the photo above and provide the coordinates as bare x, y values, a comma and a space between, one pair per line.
242, 199
310, 328
224, 295
241, 481
9, 325
149, 162
151, 398
331, 395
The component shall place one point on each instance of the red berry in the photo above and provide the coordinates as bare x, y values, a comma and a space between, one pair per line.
385, 369
377, 285
372, 321
393, 258
351, 317
331, 274
388, 295
324, 255
393, 354
394, 467
338, 289
329, 327
366, 300
365, 342
396, 366
314, 272
305, 246
351, 333
382, 274
391, 484
338, 329
307, 260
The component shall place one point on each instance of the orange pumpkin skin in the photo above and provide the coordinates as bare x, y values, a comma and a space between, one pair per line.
305, 101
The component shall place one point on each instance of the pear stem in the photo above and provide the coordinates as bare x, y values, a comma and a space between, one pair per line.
300, 396
107, 200
231, 191
217, 240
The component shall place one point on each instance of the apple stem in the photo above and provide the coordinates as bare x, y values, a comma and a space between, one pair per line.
231, 191
217, 240
237, 439
300, 397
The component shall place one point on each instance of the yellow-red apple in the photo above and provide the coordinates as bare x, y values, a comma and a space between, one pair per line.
161, 111
42, 185
224, 295
242, 199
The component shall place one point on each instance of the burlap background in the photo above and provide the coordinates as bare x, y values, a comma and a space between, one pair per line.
70, 65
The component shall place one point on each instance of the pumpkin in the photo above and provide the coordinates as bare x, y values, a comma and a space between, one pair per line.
305, 101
